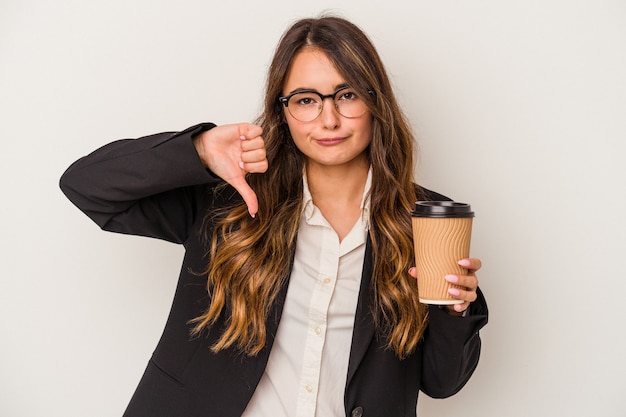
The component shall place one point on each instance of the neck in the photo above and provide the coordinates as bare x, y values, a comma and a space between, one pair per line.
340, 183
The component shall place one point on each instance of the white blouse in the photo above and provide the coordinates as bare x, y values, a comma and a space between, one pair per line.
308, 365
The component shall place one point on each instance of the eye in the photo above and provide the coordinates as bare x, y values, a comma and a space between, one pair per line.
304, 99
348, 95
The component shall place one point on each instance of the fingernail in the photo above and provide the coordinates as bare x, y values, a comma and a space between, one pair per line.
454, 292
242, 137
241, 164
464, 262
452, 279
253, 215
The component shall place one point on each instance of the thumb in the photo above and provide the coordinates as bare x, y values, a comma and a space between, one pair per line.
247, 193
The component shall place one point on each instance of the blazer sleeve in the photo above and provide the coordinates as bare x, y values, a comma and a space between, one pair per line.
451, 348
151, 186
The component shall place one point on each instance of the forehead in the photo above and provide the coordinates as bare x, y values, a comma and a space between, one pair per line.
312, 69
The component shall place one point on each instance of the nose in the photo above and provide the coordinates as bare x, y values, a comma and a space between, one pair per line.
330, 116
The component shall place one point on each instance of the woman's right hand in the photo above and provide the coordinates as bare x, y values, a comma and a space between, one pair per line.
230, 151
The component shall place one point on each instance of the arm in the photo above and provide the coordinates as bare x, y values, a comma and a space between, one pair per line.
452, 348
148, 186
154, 186
451, 344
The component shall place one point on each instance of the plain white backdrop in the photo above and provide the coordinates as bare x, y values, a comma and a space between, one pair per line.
520, 109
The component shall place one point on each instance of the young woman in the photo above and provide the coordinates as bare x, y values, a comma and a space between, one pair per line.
297, 295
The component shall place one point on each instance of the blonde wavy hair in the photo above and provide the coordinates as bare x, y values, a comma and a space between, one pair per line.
250, 259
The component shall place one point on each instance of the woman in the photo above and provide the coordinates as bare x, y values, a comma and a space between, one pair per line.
297, 294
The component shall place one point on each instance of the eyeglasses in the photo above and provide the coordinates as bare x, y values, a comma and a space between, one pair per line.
307, 105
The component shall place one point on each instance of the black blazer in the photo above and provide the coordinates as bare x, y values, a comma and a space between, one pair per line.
157, 187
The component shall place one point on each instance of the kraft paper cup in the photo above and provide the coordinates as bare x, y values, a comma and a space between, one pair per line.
441, 234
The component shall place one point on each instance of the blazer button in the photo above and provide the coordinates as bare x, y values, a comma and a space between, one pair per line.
357, 412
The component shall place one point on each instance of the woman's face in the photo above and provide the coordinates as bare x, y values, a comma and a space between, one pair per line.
330, 139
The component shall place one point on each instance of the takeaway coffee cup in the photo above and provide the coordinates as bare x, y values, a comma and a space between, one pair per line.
441, 235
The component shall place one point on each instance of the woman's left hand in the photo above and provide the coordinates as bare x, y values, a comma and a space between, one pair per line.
468, 283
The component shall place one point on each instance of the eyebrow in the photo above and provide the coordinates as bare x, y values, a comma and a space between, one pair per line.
303, 89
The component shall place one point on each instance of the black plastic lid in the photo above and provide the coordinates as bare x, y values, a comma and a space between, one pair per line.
442, 209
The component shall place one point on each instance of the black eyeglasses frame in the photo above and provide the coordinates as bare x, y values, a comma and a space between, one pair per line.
285, 99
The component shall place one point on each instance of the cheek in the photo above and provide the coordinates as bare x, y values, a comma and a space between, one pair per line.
366, 131
296, 131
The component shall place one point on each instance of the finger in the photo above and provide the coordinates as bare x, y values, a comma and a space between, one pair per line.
256, 167
457, 308
461, 307
249, 131
471, 264
247, 193
254, 155
468, 281
252, 144
461, 294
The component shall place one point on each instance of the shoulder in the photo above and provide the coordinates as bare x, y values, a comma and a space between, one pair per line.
430, 195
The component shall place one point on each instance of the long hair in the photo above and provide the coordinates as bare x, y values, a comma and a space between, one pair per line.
250, 259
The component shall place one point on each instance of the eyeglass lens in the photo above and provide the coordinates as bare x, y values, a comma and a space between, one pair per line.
307, 106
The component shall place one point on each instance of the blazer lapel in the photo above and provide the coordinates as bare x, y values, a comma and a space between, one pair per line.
363, 320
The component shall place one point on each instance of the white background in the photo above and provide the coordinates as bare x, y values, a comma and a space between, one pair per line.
520, 109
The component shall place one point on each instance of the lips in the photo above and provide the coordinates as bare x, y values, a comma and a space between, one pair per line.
330, 141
